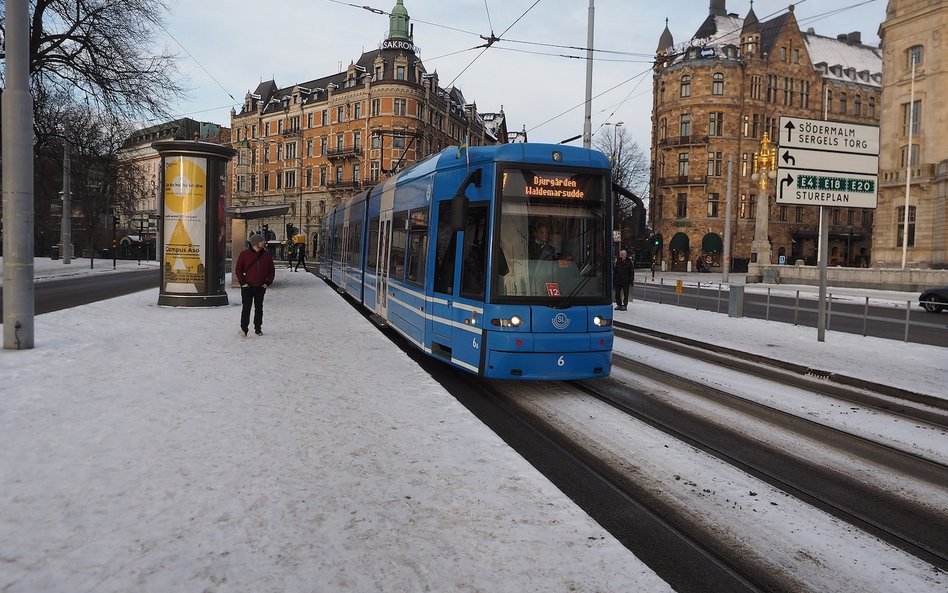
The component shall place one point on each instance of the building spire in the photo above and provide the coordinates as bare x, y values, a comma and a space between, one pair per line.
666, 41
398, 22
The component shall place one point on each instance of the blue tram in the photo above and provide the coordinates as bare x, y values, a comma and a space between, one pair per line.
494, 259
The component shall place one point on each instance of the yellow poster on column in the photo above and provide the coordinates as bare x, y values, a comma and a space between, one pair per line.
185, 224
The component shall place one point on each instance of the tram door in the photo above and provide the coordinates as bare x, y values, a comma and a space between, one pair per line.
385, 247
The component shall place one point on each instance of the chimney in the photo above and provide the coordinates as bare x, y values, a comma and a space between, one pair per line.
718, 8
855, 37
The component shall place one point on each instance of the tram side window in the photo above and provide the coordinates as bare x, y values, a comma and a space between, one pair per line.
373, 247
473, 267
337, 244
417, 245
396, 265
445, 248
355, 249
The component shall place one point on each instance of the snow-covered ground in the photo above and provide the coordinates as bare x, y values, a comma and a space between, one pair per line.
149, 448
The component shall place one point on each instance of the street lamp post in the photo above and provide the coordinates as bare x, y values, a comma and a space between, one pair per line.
765, 163
614, 159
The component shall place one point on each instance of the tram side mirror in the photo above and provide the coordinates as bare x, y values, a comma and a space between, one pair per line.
458, 212
459, 201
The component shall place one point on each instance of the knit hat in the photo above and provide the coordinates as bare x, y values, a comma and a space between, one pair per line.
256, 238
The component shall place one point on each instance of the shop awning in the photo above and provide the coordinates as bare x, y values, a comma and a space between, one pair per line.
711, 243
679, 242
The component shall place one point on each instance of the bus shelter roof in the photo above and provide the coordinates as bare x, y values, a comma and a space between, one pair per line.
252, 212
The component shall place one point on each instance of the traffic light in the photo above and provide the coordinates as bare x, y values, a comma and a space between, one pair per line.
290, 230
266, 232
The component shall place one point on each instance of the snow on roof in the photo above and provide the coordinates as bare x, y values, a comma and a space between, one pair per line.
727, 31
845, 61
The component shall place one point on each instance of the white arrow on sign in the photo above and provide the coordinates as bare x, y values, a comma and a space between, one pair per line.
817, 160
830, 136
821, 188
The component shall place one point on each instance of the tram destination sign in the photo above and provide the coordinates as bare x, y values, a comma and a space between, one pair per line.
823, 163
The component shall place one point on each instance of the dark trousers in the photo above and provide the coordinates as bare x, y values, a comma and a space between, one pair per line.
622, 295
298, 262
251, 295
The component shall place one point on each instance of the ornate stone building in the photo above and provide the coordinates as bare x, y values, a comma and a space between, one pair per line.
312, 144
715, 96
144, 168
913, 33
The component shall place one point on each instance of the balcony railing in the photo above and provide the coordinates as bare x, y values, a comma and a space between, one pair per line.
683, 140
340, 153
684, 180
341, 184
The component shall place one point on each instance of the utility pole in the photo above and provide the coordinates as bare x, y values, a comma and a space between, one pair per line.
17, 124
65, 247
587, 125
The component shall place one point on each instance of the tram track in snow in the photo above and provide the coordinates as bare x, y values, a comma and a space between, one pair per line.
715, 529
842, 482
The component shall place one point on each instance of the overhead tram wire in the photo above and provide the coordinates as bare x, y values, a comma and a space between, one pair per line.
620, 104
472, 33
609, 90
818, 17
489, 23
491, 40
196, 61
379, 11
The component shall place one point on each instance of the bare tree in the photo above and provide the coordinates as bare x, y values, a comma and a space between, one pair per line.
94, 65
100, 53
630, 171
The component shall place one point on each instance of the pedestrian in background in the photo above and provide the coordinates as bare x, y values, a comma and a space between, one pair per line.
255, 272
300, 258
622, 276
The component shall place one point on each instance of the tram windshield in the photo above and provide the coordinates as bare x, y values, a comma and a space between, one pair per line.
551, 242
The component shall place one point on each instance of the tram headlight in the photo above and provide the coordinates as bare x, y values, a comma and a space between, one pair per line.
514, 321
601, 321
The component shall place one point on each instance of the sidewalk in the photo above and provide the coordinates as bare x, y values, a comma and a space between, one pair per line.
151, 449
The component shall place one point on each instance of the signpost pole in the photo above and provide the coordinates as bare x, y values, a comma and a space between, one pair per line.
823, 256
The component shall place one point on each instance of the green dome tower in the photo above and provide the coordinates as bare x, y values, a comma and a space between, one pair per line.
398, 23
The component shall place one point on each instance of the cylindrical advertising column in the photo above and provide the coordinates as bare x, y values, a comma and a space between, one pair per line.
192, 207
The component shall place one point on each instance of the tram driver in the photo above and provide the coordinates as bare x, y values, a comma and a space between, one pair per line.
540, 247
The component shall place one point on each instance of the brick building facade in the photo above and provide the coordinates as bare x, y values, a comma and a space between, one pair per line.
315, 143
912, 33
715, 96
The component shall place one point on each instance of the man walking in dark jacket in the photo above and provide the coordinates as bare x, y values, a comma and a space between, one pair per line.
622, 276
254, 272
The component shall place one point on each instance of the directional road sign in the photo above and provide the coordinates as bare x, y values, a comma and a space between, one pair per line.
822, 163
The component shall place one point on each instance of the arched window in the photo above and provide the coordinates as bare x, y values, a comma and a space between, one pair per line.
686, 85
857, 105
843, 107
717, 84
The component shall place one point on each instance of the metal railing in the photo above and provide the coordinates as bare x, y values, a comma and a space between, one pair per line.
716, 298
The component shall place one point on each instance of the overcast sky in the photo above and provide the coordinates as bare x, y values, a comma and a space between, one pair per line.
228, 46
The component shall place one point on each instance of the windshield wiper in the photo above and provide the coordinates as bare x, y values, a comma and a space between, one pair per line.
588, 273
